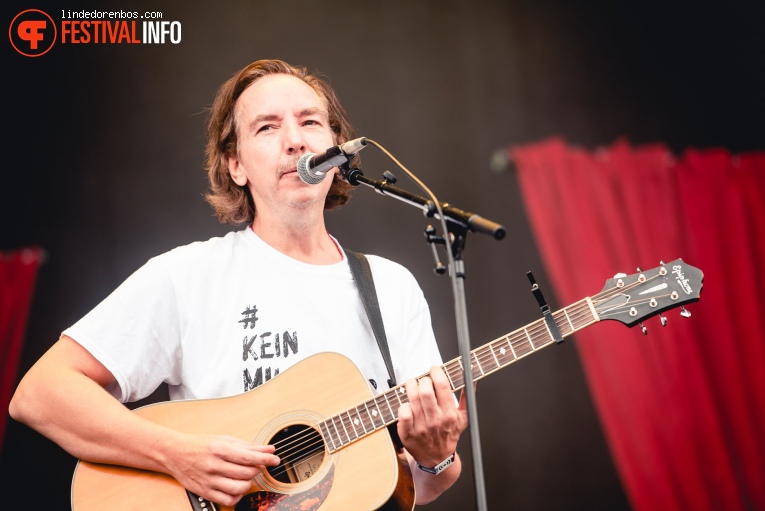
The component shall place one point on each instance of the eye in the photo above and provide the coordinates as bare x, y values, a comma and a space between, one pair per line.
312, 122
265, 127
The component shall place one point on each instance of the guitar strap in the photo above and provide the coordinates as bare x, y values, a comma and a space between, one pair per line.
362, 274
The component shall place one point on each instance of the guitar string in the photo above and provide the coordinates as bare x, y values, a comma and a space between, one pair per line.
298, 438
373, 403
537, 334
304, 453
299, 442
348, 424
309, 441
487, 357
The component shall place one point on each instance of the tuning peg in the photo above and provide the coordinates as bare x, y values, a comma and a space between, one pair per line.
644, 329
663, 320
685, 312
638, 269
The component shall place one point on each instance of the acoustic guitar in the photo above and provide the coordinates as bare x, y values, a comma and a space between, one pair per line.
335, 450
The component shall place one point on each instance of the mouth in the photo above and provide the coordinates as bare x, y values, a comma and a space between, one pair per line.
291, 170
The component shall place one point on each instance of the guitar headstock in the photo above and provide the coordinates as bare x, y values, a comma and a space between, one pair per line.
633, 298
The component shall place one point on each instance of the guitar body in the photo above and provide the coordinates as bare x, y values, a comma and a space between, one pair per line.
366, 474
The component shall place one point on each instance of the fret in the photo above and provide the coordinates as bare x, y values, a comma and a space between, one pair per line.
595, 316
347, 426
565, 312
542, 335
490, 361
529, 338
522, 347
350, 424
336, 436
401, 397
327, 436
461, 378
477, 363
511, 347
496, 360
449, 375
400, 392
361, 421
375, 415
339, 431
504, 354
581, 315
390, 409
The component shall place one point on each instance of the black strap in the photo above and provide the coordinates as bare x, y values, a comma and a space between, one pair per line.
362, 274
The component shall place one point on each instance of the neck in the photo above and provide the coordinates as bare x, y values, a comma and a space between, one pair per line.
307, 242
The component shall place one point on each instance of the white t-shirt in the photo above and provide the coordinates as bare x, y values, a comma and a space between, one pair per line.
220, 317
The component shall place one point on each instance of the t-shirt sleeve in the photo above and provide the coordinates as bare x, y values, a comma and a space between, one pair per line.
135, 333
407, 320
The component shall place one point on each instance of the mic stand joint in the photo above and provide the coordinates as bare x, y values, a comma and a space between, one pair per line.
433, 240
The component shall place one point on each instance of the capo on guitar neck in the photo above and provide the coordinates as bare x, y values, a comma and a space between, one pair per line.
546, 314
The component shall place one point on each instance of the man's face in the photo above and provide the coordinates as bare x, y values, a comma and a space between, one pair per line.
279, 118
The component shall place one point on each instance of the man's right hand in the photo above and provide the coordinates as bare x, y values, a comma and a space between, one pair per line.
218, 468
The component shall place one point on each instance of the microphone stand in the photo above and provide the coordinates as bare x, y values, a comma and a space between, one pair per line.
458, 223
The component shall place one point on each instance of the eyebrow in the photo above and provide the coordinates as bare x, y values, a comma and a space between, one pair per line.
306, 112
313, 111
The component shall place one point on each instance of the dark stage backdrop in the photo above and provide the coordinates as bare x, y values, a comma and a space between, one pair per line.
103, 148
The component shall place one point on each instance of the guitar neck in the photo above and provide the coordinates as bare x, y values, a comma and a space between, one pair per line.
382, 410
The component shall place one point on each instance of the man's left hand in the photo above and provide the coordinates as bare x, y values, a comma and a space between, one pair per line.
430, 424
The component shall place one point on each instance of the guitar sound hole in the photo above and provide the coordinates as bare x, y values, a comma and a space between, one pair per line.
301, 451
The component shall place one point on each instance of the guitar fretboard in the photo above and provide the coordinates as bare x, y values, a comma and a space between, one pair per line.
382, 410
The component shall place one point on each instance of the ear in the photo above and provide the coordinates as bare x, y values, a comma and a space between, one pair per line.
236, 169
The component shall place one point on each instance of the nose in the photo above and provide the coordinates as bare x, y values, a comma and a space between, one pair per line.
293, 138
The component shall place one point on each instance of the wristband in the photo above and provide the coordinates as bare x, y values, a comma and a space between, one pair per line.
438, 468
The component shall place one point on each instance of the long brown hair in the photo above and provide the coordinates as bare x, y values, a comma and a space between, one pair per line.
233, 203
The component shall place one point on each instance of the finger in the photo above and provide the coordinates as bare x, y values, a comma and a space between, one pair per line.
442, 386
413, 397
226, 498
236, 471
250, 455
462, 405
427, 398
405, 420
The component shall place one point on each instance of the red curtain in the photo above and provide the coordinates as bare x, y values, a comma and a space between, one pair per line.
18, 272
683, 408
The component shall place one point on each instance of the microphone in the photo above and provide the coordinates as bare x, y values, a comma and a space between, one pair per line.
313, 168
